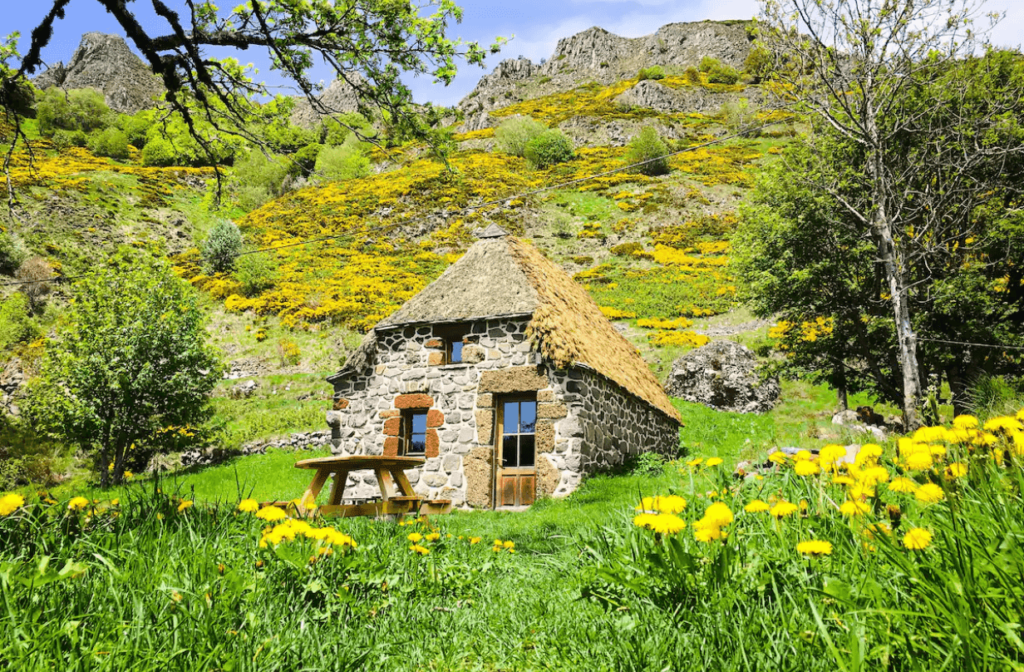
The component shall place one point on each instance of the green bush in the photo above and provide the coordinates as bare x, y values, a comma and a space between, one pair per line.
336, 130
255, 272
514, 134
78, 110
158, 152
137, 127
647, 146
653, 72
222, 247
548, 148
718, 72
304, 161
12, 253
627, 249
692, 76
257, 178
111, 142
63, 139
16, 323
758, 64
344, 162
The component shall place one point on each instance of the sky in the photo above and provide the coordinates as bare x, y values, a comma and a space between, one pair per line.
536, 26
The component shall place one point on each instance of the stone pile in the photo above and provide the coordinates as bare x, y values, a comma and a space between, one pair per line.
723, 375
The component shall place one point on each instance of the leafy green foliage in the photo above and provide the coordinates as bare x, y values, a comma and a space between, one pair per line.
548, 148
653, 72
77, 110
131, 371
343, 162
16, 322
304, 160
111, 142
158, 152
257, 178
718, 72
12, 253
256, 273
514, 134
648, 148
222, 246
64, 139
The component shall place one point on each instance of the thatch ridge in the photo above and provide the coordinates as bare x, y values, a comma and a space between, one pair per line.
570, 328
485, 282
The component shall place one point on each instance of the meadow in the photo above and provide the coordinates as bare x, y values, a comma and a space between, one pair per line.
909, 558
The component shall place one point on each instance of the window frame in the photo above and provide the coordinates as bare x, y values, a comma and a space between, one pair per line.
501, 433
407, 432
449, 335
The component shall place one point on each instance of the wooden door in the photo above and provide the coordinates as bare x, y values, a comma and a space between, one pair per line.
515, 452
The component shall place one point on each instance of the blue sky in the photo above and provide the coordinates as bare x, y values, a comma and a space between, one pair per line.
536, 24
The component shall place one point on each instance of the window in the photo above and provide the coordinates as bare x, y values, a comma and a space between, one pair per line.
452, 337
413, 439
518, 425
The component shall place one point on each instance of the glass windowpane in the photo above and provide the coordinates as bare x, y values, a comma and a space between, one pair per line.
527, 449
527, 417
419, 423
456, 352
509, 445
511, 414
419, 443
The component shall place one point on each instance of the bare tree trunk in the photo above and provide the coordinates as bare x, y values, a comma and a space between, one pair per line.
906, 340
842, 400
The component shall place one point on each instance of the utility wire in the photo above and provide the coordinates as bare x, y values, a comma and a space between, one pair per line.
560, 185
976, 345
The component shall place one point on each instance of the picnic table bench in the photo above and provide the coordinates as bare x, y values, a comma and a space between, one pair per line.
397, 496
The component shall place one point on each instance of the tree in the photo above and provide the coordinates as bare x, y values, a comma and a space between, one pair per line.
860, 67
132, 366
222, 247
649, 150
370, 44
806, 256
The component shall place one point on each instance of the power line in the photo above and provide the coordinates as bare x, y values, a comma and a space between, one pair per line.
976, 345
478, 206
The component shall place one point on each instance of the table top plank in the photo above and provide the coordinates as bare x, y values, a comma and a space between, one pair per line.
357, 462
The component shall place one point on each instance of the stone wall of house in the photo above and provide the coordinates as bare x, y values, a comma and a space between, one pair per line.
613, 424
583, 421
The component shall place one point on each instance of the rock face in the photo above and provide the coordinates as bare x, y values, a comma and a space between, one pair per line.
12, 377
339, 97
105, 63
595, 55
722, 375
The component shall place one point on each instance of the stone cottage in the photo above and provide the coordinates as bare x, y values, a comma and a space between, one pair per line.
506, 377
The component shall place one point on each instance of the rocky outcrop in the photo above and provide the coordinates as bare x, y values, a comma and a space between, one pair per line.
723, 375
338, 98
595, 55
106, 63
12, 377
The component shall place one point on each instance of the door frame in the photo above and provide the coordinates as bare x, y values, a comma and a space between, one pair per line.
499, 432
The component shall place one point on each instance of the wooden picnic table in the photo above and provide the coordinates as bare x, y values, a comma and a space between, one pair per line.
397, 494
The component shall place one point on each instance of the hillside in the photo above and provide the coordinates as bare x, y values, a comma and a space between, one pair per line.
653, 251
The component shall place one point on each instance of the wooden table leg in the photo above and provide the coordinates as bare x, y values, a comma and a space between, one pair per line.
387, 486
404, 486
338, 488
314, 489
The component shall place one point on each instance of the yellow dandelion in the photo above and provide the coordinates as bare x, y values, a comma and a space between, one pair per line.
806, 468
694, 462
919, 461
415, 537
957, 436
917, 539
929, 493
965, 422
783, 509
1018, 444
756, 506
433, 536
861, 490
802, 455
853, 507
718, 514
185, 504
814, 547
831, 454
713, 462
956, 470
10, 503
868, 454
78, 503
930, 434
902, 484
666, 523
1006, 424
670, 504
271, 513
778, 457
475, 540
705, 531
248, 506
416, 548
843, 480
509, 544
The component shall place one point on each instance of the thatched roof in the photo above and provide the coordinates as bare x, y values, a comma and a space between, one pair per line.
485, 282
501, 276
